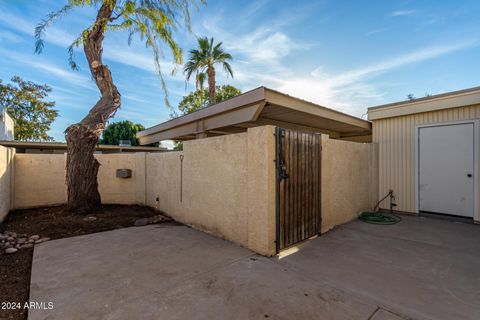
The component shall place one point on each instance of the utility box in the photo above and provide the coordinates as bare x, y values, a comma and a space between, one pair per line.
124, 173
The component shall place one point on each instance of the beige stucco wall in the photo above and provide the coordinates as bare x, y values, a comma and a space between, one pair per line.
261, 185
118, 190
396, 142
40, 179
348, 180
228, 186
6, 180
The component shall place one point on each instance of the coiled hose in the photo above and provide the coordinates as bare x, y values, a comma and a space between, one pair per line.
377, 217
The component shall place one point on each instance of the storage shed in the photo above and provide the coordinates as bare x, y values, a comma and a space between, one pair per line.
428, 153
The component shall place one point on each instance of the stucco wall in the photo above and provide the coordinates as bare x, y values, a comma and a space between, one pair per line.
40, 179
228, 186
349, 180
6, 180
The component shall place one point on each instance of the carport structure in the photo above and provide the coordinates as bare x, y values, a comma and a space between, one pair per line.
258, 107
265, 169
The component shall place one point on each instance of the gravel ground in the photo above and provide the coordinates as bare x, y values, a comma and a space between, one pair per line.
54, 223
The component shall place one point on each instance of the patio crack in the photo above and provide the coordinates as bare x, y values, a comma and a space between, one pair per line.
374, 312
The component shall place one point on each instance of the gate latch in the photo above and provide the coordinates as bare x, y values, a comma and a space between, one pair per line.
283, 171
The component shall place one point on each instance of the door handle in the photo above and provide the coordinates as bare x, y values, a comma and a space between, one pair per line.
469, 175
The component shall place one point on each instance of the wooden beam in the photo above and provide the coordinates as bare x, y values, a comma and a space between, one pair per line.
289, 125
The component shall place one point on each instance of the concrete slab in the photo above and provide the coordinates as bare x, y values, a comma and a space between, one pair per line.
95, 274
246, 289
174, 272
419, 268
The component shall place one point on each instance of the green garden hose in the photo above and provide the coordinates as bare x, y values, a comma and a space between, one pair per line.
377, 217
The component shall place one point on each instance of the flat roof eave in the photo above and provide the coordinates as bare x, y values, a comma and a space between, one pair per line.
247, 110
441, 101
63, 146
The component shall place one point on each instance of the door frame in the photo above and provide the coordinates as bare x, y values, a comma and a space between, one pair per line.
476, 174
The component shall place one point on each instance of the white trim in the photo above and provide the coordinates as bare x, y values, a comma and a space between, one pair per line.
434, 103
476, 175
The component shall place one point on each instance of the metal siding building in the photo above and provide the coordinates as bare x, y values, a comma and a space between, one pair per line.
395, 131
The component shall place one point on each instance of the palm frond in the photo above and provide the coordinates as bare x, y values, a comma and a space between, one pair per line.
228, 69
207, 54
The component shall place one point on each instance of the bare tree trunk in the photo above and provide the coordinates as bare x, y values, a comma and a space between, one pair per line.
82, 138
211, 83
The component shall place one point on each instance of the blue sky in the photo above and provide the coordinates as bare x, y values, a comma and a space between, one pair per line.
346, 55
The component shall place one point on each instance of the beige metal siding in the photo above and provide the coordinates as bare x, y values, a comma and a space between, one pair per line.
396, 142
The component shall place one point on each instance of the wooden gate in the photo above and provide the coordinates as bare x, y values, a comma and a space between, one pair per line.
298, 161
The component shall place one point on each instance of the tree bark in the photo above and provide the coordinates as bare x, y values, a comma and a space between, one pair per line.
211, 83
82, 137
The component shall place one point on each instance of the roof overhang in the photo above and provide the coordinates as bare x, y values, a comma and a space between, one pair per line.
261, 106
63, 146
442, 101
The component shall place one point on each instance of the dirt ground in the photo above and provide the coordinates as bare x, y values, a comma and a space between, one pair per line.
55, 223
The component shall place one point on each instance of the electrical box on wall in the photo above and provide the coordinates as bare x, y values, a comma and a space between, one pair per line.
124, 173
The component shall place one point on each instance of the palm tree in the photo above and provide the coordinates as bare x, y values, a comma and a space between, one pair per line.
202, 61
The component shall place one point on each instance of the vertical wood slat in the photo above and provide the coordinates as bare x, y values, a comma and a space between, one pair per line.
299, 192
287, 185
281, 189
293, 182
295, 190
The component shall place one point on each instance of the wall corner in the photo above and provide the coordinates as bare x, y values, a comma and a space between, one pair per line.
261, 190
141, 178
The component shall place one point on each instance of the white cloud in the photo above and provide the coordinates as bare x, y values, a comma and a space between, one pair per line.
258, 55
350, 90
49, 68
113, 50
375, 31
401, 13
412, 57
261, 57
263, 45
6, 36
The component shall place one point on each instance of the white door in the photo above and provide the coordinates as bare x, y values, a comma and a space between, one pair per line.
446, 174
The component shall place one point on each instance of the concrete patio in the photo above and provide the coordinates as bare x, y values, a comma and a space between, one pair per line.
420, 268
